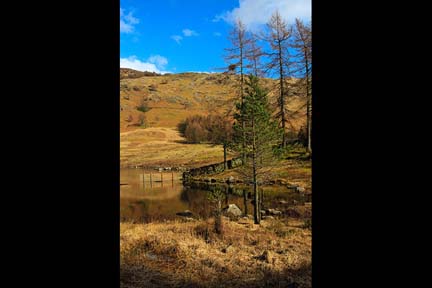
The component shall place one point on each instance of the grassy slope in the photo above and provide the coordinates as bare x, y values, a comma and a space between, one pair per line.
174, 98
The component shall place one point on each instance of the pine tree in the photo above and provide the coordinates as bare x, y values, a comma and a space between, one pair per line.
260, 135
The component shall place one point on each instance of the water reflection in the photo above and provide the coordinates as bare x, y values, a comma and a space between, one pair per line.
160, 199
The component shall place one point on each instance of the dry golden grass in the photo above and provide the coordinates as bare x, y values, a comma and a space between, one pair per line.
190, 254
164, 147
173, 98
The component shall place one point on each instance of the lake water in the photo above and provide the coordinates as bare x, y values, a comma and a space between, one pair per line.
161, 199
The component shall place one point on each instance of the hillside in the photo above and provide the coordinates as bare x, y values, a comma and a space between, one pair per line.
169, 100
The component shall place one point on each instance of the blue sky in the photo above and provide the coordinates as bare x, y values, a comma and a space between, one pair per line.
190, 35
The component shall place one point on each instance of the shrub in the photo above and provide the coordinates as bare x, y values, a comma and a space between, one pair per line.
143, 107
195, 133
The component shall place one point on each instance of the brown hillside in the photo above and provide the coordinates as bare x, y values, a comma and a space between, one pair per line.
171, 99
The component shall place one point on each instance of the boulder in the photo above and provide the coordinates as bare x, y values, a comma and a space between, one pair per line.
300, 189
233, 210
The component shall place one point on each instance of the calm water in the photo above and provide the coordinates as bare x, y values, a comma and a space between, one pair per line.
143, 201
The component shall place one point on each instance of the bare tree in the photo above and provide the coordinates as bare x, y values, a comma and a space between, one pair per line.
303, 44
254, 54
237, 54
278, 36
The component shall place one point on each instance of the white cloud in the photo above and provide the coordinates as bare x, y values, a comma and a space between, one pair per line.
217, 34
127, 22
189, 33
254, 13
177, 38
160, 61
133, 62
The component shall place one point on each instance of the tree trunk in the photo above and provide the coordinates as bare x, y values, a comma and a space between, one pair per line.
225, 156
257, 211
257, 218
245, 198
282, 95
308, 106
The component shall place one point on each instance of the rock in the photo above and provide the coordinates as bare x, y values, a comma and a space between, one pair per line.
231, 180
273, 212
267, 218
263, 212
167, 168
160, 169
185, 213
300, 189
283, 202
233, 210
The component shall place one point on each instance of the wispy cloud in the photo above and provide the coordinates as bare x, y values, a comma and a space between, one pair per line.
189, 33
217, 34
254, 13
158, 60
177, 38
127, 21
154, 63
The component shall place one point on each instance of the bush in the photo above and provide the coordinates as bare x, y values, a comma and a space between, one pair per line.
195, 133
182, 127
212, 128
143, 107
